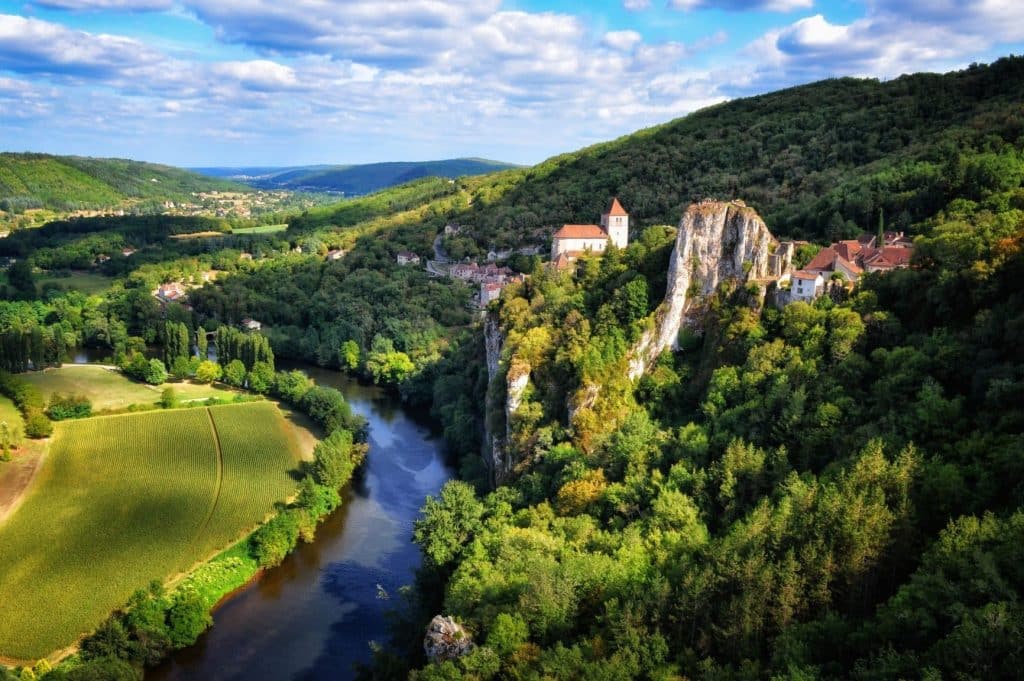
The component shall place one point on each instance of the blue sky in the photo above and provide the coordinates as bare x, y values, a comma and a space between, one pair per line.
288, 82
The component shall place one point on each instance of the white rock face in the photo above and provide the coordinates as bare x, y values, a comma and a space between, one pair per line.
446, 639
716, 241
516, 379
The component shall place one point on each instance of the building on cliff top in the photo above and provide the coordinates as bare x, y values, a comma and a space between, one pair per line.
576, 240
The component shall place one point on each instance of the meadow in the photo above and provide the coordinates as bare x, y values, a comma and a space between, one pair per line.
110, 389
260, 229
123, 500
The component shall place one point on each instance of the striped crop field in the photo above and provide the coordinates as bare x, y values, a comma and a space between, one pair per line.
123, 500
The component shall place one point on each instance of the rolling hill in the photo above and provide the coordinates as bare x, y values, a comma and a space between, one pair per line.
75, 182
354, 179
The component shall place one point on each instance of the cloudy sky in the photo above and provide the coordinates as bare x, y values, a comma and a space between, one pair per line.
282, 82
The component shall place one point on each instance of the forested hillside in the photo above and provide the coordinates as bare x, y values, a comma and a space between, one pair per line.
817, 161
829, 491
356, 180
74, 182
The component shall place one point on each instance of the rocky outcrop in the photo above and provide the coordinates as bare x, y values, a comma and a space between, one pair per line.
717, 241
446, 639
505, 392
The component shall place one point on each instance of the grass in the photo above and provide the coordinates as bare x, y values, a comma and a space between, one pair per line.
88, 283
11, 414
109, 389
122, 500
260, 229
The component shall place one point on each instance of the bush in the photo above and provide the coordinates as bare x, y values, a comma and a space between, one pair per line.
69, 407
317, 499
156, 372
187, 619
275, 540
328, 407
37, 425
234, 373
208, 371
168, 398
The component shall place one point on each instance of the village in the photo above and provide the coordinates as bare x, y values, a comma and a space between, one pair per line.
833, 270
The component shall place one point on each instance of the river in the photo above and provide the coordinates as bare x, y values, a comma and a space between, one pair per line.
313, 617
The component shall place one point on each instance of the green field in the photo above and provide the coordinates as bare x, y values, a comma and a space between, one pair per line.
122, 500
261, 229
11, 414
88, 283
110, 389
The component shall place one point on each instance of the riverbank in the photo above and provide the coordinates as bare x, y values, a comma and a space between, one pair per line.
313, 616
209, 582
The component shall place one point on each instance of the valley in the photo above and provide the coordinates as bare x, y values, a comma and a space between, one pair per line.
734, 397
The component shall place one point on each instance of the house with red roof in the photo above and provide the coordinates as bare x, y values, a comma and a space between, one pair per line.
831, 260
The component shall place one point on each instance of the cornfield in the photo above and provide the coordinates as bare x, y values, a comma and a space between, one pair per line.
123, 500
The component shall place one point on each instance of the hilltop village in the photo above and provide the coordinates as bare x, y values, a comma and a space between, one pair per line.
831, 271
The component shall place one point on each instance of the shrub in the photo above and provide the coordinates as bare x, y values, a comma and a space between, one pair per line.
317, 499
208, 371
272, 542
156, 372
37, 425
187, 619
69, 407
168, 398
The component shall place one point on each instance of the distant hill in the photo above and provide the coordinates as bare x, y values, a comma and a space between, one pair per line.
354, 179
76, 182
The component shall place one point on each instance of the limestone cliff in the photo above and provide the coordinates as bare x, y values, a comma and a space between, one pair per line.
717, 241
506, 387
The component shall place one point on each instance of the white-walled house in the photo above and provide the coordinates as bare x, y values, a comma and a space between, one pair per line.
806, 285
575, 240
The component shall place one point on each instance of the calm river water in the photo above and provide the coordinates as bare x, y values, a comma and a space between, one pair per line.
313, 617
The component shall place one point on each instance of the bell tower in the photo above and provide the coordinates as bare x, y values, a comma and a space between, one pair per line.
616, 224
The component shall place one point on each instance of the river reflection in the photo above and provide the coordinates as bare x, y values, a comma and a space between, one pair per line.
313, 617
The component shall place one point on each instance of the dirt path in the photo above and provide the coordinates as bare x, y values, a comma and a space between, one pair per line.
17, 476
220, 476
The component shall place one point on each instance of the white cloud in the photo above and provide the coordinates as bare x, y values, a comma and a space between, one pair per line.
36, 46
878, 45
622, 40
636, 5
258, 74
370, 31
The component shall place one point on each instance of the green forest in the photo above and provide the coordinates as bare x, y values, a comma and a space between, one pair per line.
827, 491
67, 183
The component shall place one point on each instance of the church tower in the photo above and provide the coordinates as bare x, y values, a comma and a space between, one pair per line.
616, 224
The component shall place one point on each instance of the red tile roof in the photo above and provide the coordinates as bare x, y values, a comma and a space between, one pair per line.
617, 208
824, 261
581, 232
801, 274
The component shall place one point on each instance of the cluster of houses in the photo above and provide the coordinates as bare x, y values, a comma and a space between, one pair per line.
491, 278
850, 259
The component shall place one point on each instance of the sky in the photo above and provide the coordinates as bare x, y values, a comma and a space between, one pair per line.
292, 82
